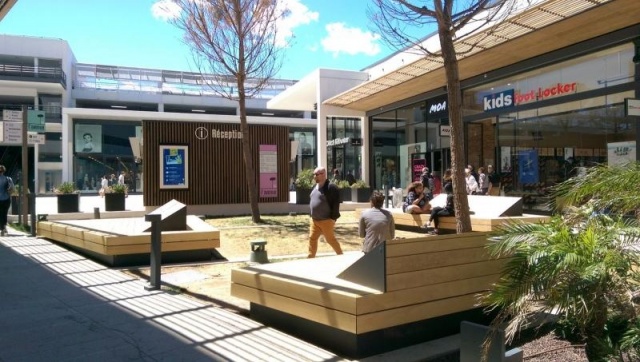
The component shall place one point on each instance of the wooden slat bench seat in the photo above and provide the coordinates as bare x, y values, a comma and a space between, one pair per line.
427, 280
488, 212
478, 222
113, 238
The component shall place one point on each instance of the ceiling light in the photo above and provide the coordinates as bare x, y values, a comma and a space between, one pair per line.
267, 114
119, 107
198, 110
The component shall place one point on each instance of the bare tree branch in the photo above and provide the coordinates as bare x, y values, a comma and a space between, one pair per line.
234, 46
398, 20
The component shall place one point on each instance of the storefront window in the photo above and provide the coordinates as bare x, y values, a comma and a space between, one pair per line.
537, 152
344, 147
106, 149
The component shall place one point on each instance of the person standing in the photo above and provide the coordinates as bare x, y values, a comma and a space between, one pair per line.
121, 178
376, 225
6, 186
471, 182
325, 211
104, 184
494, 181
483, 182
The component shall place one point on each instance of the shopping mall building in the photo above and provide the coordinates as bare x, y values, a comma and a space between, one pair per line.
544, 95
94, 113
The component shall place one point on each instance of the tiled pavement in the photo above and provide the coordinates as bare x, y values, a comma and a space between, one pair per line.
58, 306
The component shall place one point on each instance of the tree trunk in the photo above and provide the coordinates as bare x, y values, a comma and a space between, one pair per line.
595, 331
246, 145
461, 203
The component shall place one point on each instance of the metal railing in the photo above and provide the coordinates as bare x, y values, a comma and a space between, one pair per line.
35, 74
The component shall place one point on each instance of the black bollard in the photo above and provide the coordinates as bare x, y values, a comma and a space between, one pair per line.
32, 208
156, 251
96, 212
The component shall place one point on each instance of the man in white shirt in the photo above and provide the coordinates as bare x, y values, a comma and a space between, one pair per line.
121, 178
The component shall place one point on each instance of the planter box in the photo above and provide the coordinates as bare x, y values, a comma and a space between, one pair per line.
361, 194
15, 202
68, 203
345, 195
114, 202
303, 197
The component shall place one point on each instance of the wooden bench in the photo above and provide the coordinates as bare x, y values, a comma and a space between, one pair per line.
488, 213
402, 293
127, 240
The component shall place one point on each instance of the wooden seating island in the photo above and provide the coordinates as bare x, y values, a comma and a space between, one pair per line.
127, 241
404, 292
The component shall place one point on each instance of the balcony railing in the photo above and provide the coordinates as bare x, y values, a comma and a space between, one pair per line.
33, 74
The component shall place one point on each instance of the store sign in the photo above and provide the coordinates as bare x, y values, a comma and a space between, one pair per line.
557, 90
498, 100
338, 142
445, 131
510, 97
356, 142
437, 108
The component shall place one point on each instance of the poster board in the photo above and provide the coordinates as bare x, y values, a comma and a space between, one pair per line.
174, 167
88, 138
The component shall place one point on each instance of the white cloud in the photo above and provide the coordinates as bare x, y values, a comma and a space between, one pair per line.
352, 41
298, 14
165, 10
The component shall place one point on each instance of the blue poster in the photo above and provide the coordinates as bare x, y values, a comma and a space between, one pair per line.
174, 166
528, 167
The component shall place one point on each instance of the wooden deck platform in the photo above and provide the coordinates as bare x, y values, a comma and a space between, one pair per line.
127, 241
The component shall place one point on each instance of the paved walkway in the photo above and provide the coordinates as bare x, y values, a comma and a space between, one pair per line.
58, 306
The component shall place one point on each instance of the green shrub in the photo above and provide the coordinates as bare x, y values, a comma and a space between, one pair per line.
305, 180
66, 188
359, 184
116, 189
343, 184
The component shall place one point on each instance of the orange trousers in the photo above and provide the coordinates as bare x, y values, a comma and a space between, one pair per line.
324, 228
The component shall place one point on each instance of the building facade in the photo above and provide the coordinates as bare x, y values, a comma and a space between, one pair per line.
94, 113
540, 105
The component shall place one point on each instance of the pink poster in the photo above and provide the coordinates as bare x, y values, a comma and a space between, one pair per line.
416, 168
268, 170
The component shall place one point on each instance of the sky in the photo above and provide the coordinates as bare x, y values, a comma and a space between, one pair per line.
334, 34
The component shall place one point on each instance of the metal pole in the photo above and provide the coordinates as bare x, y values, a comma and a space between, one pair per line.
32, 211
25, 165
156, 250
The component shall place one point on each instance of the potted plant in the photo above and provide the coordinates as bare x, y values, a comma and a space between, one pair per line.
360, 191
15, 201
345, 190
68, 197
114, 196
304, 183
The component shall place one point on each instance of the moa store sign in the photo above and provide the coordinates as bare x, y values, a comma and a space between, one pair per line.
510, 98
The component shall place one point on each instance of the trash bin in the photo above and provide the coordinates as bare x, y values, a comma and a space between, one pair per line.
258, 252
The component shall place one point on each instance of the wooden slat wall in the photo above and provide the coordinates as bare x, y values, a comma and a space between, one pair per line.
216, 167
